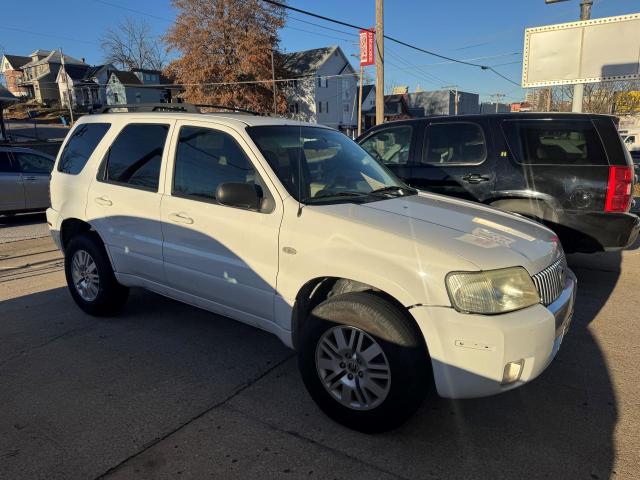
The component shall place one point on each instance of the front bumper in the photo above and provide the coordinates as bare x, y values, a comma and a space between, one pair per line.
469, 352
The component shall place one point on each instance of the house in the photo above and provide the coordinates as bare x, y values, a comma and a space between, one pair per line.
395, 108
368, 105
325, 89
139, 86
93, 86
10, 67
442, 102
39, 75
68, 79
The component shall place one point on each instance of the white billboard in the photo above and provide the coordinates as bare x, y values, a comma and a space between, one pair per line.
599, 50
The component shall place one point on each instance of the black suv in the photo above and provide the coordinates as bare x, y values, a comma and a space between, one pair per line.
568, 171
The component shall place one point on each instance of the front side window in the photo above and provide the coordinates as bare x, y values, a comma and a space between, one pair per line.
454, 143
135, 156
80, 146
318, 165
32, 163
206, 158
555, 142
390, 145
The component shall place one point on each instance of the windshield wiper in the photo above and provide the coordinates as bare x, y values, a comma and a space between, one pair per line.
401, 191
344, 193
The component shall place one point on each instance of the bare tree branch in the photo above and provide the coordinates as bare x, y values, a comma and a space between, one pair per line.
131, 45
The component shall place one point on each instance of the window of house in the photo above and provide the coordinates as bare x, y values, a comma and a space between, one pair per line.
390, 145
32, 163
80, 146
291, 108
297, 106
115, 98
326, 107
345, 108
319, 107
564, 142
135, 156
454, 143
319, 81
206, 158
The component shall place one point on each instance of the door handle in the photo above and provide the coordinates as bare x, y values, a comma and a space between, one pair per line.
30, 179
181, 218
104, 201
475, 178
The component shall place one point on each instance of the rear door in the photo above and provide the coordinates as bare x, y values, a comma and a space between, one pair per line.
36, 174
11, 187
394, 145
457, 159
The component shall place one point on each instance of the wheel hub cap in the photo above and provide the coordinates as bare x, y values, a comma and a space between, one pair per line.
84, 274
353, 367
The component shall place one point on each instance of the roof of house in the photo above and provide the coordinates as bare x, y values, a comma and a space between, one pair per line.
127, 78
76, 72
366, 89
307, 61
16, 61
145, 70
40, 52
54, 57
94, 70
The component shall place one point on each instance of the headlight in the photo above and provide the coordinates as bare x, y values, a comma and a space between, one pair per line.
492, 291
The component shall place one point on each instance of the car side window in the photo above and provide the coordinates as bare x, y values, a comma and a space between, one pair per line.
460, 143
32, 163
135, 156
559, 142
206, 158
80, 146
390, 145
5, 163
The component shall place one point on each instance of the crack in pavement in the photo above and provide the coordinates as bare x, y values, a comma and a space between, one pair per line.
242, 387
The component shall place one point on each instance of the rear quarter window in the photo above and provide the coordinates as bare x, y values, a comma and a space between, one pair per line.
555, 142
80, 146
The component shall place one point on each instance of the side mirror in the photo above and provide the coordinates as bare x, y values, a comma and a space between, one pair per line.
240, 195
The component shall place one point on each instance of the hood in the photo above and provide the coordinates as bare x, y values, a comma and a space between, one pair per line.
485, 236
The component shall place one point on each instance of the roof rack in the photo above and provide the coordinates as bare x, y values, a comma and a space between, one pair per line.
152, 107
171, 107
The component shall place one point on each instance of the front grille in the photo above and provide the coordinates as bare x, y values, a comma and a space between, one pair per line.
550, 281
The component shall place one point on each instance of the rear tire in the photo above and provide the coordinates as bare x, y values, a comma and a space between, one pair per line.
90, 277
364, 362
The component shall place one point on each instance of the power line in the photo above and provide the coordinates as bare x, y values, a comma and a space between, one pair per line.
392, 39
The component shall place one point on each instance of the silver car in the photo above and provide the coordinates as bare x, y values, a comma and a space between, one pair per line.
24, 180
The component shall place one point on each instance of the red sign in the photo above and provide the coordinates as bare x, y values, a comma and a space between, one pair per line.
367, 49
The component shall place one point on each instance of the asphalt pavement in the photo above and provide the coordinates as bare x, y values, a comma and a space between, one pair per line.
166, 390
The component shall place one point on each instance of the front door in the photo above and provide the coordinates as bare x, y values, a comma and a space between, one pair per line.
11, 187
225, 255
456, 159
36, 174
124, 200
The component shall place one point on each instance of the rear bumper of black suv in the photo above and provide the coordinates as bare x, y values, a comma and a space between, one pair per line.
596, 231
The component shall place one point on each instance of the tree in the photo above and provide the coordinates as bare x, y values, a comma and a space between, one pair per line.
131, 45
227, 41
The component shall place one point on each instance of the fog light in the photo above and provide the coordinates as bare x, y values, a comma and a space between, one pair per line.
512, 372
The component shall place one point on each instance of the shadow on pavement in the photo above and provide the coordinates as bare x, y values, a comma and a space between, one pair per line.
22, 219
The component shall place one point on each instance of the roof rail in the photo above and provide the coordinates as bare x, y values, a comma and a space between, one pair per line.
171, 107
152, 107
225, 107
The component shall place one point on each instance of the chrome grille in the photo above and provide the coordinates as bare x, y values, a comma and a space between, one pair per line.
550, 281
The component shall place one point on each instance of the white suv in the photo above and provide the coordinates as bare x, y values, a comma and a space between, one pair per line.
293, 228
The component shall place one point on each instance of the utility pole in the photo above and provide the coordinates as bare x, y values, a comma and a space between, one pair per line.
66, 82
273, 83
379, 62
578, 88
454, 89
360, 101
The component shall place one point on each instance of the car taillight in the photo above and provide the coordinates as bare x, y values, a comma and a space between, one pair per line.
619, 189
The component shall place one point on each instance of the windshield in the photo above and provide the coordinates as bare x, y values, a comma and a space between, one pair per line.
318, 165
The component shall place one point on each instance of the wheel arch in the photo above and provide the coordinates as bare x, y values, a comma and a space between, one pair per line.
74, 226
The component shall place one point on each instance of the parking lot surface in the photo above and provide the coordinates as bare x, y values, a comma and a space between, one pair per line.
169, 391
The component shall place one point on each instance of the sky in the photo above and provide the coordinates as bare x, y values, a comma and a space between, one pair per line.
483, 31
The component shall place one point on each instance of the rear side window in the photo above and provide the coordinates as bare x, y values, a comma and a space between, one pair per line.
32, 163
135, 156
454, 144
5, 163
555, 142
390, 146
78, 149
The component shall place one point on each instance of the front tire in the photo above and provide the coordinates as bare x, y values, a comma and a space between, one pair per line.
90, 277
364, 362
